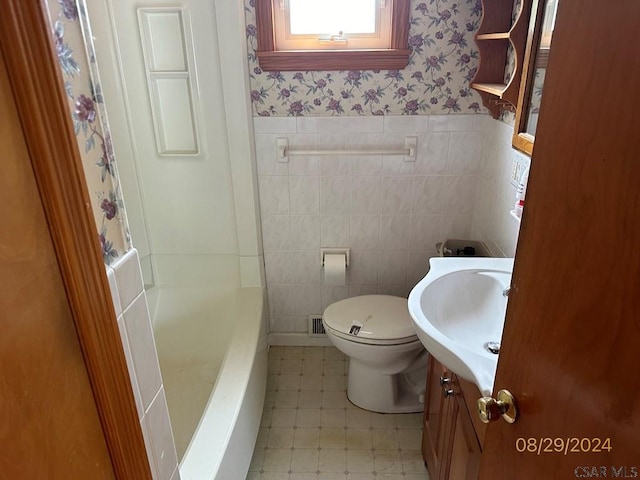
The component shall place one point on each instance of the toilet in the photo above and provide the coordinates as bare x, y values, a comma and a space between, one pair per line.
387, 361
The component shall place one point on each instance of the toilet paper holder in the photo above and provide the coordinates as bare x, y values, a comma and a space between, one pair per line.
333, 251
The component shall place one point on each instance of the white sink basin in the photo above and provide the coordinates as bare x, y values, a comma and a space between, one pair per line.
457, 309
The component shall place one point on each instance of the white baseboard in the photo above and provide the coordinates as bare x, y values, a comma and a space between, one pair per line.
297, 340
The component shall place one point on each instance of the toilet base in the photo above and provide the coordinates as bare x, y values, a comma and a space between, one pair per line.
399, 393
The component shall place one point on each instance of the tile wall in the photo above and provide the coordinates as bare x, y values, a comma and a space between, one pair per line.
388, 211
496, 192
130, 302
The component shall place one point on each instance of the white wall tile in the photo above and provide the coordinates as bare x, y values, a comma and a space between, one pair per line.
274, 195
392, 268
495, 196
465, 151
365, 195
128, 277
278, 267
276, 232
305, 232
364, 268
357, 289
432, 154
274, 125
460, 194
307, 164
266, 156
143, 350
394, 232
425, 232
396, 195
318, 124
305, 267
130, 366
281, 299
427, 194
456, 226
159, 426
148, 444
176, 474
307, 299
304, 195
282, 323
113, 287
335, 195
334, 230
388, 211
364, 231
361, 124
395, 289
417, 266
406, 124
333, 293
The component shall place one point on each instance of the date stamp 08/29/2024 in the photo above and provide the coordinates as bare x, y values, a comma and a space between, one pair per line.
571, 445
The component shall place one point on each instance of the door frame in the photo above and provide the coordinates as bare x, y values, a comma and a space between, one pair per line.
26, 43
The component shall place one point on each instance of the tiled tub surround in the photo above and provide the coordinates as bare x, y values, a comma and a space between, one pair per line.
134, 321
310, 430
388, 211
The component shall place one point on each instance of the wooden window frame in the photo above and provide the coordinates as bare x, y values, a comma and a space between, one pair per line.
394, 58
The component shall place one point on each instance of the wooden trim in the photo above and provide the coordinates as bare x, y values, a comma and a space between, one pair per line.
521, 140
395, 58
305, 60
264, 26
400, 25
25, 39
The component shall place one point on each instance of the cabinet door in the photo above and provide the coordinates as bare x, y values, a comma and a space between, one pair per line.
465, 449
438, 422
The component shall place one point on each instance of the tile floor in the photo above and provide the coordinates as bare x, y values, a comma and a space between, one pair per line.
310, 430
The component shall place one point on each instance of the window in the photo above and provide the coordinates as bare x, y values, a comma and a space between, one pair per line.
332, 34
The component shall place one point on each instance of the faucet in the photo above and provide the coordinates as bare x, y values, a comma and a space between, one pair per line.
506, 291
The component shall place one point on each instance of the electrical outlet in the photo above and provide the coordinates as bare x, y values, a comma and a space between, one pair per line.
520, 164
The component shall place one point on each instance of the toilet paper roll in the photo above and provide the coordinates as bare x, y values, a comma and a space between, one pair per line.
335, 269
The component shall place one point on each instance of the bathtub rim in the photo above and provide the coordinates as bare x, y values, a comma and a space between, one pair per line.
208, 447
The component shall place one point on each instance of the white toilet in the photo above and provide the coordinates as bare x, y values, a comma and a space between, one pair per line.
387, 361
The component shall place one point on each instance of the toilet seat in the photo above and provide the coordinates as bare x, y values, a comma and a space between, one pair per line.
383, 320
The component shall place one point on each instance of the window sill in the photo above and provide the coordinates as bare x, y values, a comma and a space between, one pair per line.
327, 60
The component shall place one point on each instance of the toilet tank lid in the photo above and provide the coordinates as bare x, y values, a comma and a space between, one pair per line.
382, 317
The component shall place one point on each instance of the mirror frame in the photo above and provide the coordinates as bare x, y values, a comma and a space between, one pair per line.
522, 140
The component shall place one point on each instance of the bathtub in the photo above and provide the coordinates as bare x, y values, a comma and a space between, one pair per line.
213, 358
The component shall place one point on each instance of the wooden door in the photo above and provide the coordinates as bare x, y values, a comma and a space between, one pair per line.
66, 402
50, 424
571, 342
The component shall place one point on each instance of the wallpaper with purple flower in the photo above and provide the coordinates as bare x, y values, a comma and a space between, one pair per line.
442, 64
74, 48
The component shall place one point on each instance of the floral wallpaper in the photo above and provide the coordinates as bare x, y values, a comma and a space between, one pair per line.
442, 64
74, 47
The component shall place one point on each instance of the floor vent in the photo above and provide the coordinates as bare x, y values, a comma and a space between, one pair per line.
316, 327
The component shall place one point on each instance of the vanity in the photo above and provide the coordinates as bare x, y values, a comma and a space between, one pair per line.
452, 434
458, 312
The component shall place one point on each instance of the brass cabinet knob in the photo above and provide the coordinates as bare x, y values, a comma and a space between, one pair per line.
491, 409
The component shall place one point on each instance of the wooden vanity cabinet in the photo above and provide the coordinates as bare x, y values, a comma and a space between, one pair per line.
451, 439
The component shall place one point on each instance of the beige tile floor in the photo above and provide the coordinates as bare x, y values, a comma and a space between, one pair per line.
310, 430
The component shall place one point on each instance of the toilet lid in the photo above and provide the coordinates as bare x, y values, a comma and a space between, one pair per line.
369, 318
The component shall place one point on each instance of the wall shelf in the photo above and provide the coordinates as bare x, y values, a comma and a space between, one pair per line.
494, 37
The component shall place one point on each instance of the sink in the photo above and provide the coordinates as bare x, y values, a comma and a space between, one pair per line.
458, 312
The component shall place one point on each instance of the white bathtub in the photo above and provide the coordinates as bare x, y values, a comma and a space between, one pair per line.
213, 358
